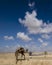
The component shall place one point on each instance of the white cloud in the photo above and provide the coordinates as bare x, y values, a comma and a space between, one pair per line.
23, 36
30, 46
34, 25
44, 44
8, 37
46, 36
31, 4
47, 29
39, 39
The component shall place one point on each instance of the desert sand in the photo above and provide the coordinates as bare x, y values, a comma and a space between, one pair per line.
9, 59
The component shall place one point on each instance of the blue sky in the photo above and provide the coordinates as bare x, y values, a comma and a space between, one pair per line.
26, 23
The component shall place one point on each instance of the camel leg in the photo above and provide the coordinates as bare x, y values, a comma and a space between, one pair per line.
16, 59
24, 56
21, 55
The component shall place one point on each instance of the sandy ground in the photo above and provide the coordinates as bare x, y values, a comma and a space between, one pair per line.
9, 59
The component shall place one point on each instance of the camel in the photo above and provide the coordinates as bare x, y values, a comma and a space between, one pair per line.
21, 51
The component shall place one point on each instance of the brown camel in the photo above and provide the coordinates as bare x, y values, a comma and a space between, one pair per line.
21, 51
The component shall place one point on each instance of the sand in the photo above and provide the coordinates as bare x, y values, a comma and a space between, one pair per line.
9, 59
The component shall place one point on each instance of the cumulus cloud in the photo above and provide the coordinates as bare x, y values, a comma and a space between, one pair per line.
31, 4
39, 39
34, 25
8, 37
44, 44
45, 36
23, 36
47, 29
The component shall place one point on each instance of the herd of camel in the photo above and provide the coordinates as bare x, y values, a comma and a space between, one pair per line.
21, 51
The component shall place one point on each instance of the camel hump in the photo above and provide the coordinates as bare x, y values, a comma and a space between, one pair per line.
21, 48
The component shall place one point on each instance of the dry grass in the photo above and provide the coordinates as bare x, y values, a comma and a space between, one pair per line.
9, 59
